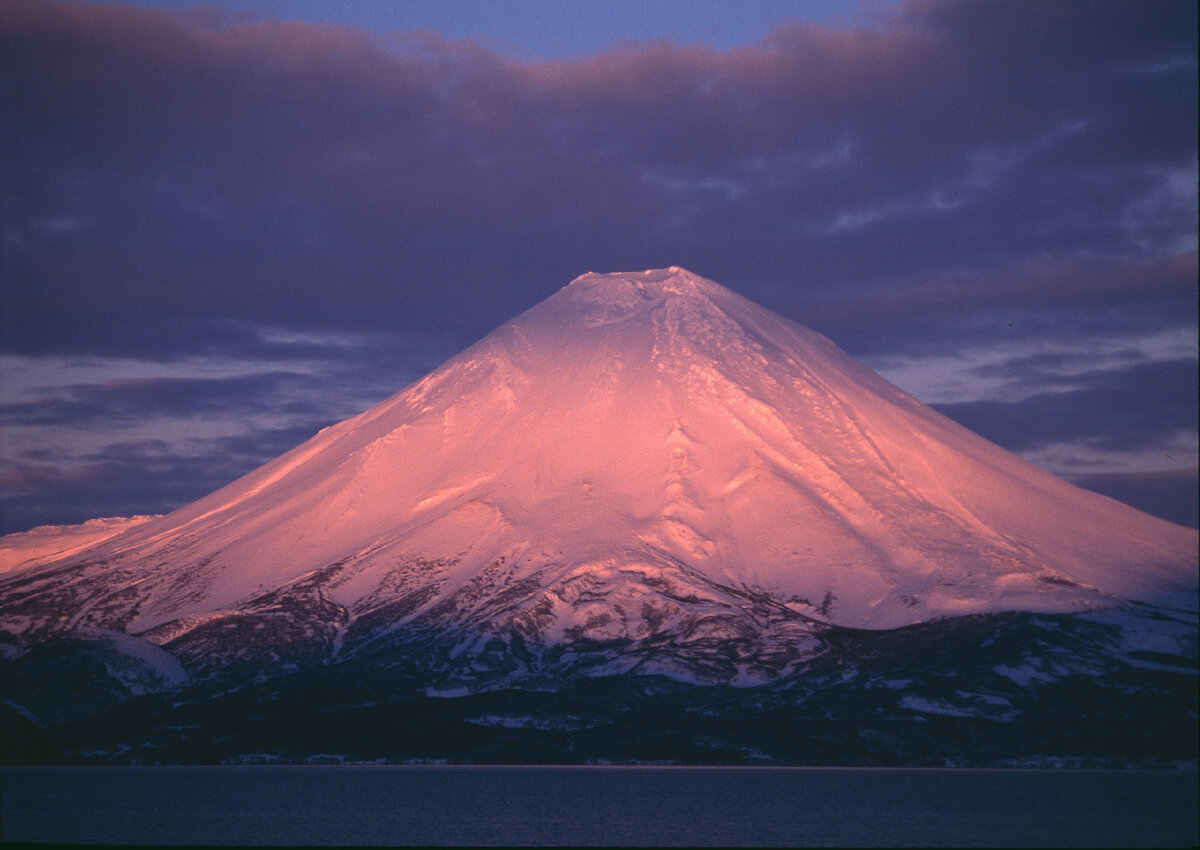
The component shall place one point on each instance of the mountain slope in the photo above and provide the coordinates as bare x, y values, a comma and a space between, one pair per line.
645, 472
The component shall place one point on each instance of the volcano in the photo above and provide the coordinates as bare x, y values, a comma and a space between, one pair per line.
645, 475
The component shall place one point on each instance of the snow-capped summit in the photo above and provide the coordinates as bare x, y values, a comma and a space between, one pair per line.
644, 460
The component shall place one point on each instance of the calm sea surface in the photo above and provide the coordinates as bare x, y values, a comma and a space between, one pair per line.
598, 805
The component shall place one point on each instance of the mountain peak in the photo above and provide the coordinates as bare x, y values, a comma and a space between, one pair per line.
651, 284
631, 309
672, 278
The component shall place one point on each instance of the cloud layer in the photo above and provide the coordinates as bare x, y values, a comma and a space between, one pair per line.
959, 175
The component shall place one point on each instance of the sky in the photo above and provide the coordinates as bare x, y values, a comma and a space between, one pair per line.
226, 226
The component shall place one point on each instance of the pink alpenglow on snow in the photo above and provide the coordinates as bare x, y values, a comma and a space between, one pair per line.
639, 453
55, 542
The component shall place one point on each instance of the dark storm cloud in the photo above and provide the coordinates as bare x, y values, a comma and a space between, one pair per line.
46, 483
1171, 494
130, 478
269, 372
1033, 299
133, 400
317, 176
960, 173
75, 450
1138, 408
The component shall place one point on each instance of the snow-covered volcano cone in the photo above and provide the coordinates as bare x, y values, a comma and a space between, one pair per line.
646, 462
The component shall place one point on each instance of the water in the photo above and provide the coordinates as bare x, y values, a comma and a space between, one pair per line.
597, 805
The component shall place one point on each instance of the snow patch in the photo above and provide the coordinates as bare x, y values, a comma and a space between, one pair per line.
935, 706
1025, 675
